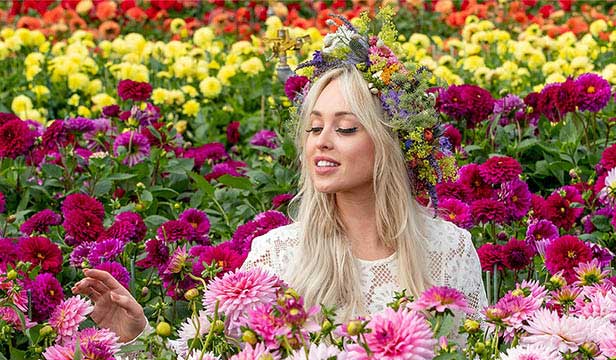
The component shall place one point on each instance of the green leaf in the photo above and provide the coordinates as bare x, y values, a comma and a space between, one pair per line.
17, 354
202, 184
102, 187
526, 143
51, 170
120, 176
154, 221
146, 196
236, 182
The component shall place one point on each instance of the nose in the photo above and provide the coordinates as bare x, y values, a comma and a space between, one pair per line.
324, 140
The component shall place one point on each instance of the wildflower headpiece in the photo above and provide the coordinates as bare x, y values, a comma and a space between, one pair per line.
402, 90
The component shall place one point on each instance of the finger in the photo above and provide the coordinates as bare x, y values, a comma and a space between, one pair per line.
103, 277
94, 295
129, 304
85, 286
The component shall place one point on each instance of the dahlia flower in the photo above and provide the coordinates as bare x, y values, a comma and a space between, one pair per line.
83, 202
441, 299
398, 334
564, 253
67, 316
531, 352
455, 211
500, 169
259, 351
593, 92
188, 332
134, 145
39, 250
40, 222
237, 292
133, 90
266, 138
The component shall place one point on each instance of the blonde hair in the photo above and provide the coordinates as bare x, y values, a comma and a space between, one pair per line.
327, 273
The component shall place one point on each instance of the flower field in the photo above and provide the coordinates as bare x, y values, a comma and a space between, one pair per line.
150, 139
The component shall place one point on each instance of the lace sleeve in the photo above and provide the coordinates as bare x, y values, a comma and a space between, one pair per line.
464, 272
455, 263
274, 251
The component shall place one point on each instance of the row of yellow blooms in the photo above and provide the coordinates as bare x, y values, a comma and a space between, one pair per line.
195, 70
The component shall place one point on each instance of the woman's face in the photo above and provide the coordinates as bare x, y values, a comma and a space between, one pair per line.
339, 151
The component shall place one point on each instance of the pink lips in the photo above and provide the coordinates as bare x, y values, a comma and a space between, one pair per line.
326, 169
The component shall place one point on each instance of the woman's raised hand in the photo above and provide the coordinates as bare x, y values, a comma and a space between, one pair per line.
114, 307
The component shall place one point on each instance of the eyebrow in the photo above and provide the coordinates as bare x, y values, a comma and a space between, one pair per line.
336, 114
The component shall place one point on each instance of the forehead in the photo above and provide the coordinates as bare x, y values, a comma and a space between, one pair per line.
331, 100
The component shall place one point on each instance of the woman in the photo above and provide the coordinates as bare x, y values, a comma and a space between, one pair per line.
360, 235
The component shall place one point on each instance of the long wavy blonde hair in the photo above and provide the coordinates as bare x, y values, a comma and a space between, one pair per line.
327, 272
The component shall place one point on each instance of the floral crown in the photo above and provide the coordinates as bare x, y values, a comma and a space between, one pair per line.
402, 90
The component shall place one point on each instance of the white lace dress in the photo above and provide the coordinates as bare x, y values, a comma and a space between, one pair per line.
452, 261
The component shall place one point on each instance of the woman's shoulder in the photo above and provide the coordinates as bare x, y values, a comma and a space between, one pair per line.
274, 250
286, 235
445, 236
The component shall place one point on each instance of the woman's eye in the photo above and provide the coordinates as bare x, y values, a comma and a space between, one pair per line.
346, 130
315, 129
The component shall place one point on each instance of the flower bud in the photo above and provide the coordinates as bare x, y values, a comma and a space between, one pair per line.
144, 291
518, 292
140, 185
191, 294
292, 293
471, 326
218, 326
326, 325
45, 331
11, 275
354, 327
11, 219
590, 348
480, 347
249, 337
163, 329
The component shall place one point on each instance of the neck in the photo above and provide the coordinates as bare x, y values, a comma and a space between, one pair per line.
358, 216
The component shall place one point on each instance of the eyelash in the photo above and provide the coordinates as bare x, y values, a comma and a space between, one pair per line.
338, 130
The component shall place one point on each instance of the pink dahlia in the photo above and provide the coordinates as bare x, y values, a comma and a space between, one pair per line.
237, 292
116, 270
199, 221
67, 316
608, 158
262, 320
499, 169
546, 328
398, 334
281, 199
608, 346
157, 254
532, 352
441, 299
132, 146
540, 230
266, 138
210, 152
9, 253
59, 352
229, 167
259, 351
565, 253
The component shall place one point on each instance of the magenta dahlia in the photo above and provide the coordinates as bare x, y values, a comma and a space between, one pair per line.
294, 86
41, 251
133, 90
46, 295
564, 254
16, 139
593, 91
84, 203
488, 210
455, 211
134, 146
233, 132
223, 255
473, 184
491, 256
40, 222
83, 226
266, 138
558, 206
499, 169
517, 254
